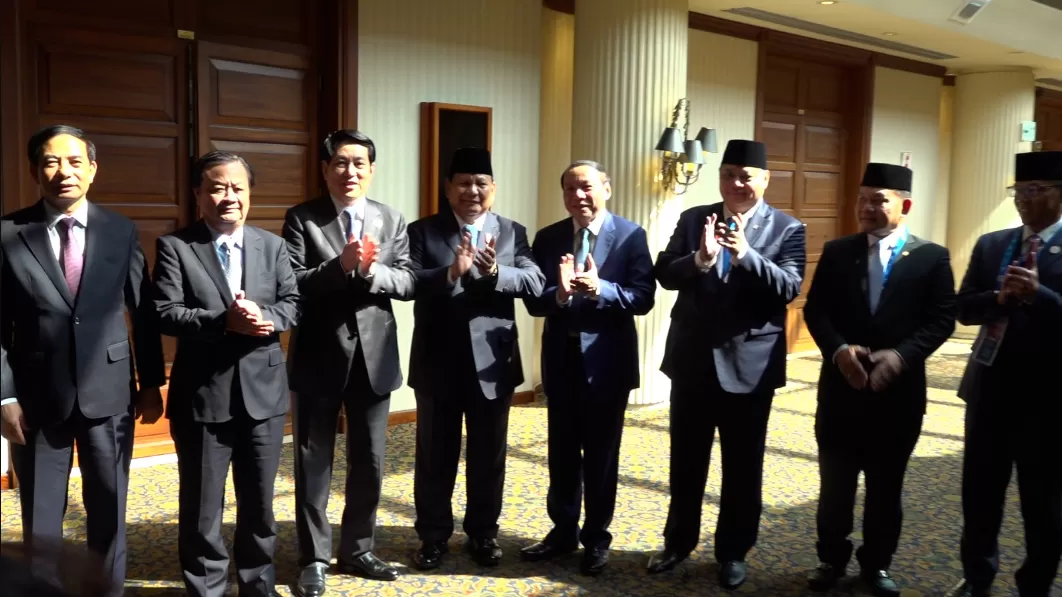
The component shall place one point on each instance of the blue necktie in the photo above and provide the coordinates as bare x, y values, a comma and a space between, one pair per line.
583, 250
223, 257
472, 232
726, 261
353, 224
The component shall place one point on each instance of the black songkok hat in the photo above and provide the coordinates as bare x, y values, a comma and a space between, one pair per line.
471, 160
1038, 165
887, 176
746, 154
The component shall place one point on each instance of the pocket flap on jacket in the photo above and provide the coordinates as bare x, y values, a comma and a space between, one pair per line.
276, 357
118, 352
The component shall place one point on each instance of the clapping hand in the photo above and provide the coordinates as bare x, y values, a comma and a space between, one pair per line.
732, 236
486, 259
1020, 282
709, 247
587, 281
565, 277
245, 317
464, 257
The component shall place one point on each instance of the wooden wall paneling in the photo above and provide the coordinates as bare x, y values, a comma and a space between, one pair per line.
12, 162
1049, 119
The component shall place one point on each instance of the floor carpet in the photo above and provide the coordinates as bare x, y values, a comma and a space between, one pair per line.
927, 563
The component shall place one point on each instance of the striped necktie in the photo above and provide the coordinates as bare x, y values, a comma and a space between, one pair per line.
583, 250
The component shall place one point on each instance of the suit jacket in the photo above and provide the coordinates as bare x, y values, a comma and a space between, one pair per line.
1031, 345
341, 309
605, 325
215, 370
471, 324
915, 316
59, 348
740, 318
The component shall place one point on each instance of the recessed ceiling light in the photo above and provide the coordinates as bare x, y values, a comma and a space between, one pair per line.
889, 34
827, 2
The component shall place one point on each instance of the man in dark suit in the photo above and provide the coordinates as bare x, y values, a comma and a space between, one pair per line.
881, 302
351, 258
599, 276
70, 271
1013, 290
465, 359
736, 265
226, 291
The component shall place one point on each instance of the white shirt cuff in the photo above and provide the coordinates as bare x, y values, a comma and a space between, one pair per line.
840, 349
8, 401
564, 302
704, 265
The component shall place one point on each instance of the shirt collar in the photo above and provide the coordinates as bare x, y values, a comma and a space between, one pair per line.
595, 224
477, 223
727, 214
53, 215
1045, 235
890, 239
358, 206
235, 239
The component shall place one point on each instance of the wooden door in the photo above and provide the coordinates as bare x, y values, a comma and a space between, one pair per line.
130, 95
1049, 119
804, 127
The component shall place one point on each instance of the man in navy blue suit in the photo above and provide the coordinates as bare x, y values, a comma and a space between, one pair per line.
599, 275
736, 266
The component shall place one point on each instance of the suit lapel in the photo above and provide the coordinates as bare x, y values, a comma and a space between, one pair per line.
373, 224
330, 224
604, 241
252, 261
757, 224
204, 249
491, 226
95, 235
36, 238
1050, 253
861, 252
899, 268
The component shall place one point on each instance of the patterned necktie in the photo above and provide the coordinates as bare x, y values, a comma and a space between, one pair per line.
876, 276
73, 260
472, 233
583, 251
353, 224
1033, 249
224, 255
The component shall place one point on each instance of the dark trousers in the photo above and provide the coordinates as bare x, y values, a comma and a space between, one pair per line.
878, 444
1004, 429
439, 417
204, 453
585, 429
315, 442
697, 410
104, 450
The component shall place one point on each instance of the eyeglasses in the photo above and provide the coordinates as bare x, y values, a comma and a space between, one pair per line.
1031, 190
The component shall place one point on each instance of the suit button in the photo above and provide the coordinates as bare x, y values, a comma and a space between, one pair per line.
76, 321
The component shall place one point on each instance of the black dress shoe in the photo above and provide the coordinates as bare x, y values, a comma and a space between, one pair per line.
880, 583
543, 551
824, 577
369, 566
430, 555
663, 561
312, 580
595, 560
485, 552
732, 574
966, 589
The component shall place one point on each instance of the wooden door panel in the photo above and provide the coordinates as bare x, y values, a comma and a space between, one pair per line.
129, 94
1049, 119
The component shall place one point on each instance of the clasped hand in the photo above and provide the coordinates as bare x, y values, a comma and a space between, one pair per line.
882, 367
245, 317
1020, 282
466, 256
359, 253
574, 278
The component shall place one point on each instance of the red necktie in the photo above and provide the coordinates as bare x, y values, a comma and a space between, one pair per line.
72, 257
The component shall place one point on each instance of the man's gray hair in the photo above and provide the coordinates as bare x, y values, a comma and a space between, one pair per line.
605, 177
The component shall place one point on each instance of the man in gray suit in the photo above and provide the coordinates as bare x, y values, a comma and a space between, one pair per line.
70, 272
226, 291
465, 361
351, 257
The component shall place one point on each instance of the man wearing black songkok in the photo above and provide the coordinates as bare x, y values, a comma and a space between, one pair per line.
1013, 290
880, 303
736, 266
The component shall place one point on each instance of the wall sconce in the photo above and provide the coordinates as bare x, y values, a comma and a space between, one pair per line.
683, 157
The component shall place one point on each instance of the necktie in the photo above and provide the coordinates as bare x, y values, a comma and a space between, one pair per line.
73, 260
583, 250
1033, 249
225, 256
726, 261
876, 275
353, 224
473, 233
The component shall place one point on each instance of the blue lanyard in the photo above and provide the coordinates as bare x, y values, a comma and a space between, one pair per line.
1012, 248
900, 242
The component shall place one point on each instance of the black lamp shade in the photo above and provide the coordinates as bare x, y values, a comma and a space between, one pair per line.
708, 140
694, 153
671, 140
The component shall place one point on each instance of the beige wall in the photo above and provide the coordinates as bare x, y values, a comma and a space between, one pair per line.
721, 86
483, 53
906, 117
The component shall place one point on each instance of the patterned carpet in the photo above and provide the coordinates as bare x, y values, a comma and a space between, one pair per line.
927, 564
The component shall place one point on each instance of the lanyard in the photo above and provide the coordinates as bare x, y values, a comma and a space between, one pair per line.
1012, 248
900, 242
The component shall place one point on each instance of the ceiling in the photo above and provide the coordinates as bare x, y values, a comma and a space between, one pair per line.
1007, 34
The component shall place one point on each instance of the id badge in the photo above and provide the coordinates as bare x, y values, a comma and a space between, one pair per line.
988, 340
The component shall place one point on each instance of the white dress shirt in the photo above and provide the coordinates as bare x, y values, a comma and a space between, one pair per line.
358, 217
1045, 235
235, 244
52, 216
880, 250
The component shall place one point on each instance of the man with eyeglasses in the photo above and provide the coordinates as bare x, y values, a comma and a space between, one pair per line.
351, 258
1013, 290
